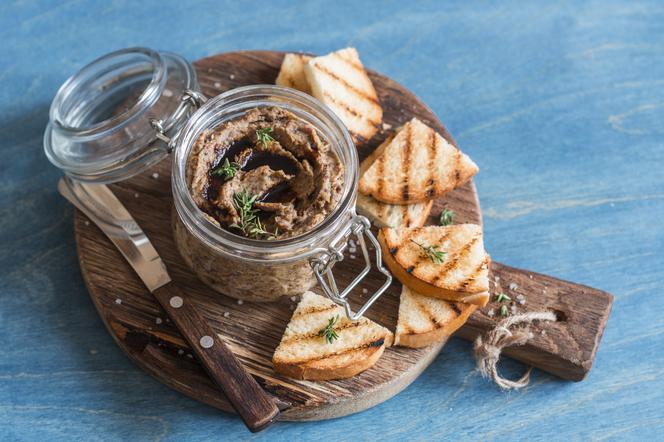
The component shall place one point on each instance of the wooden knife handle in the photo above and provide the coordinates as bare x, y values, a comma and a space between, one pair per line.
252, 403
565, 348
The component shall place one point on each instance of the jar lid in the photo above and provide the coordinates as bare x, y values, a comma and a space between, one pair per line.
102, 120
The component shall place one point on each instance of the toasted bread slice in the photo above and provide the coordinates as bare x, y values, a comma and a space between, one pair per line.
393, 215
390, 215
417, 165
424, 320
340, 81
303, 354
291, 73
463, 274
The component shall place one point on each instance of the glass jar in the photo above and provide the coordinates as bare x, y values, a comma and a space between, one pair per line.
261, 270
128, 110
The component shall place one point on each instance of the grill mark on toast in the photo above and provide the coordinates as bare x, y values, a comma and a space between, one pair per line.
431, 148
346, 84
456, 308
457, 166
426, 313
451, 264
405, 170
312, 310
351, 63
405, 216
375, 343
472, 276
314, 335
350, 110
380, 171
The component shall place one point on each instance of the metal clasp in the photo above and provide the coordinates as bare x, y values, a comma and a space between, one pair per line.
323, 263
191, 100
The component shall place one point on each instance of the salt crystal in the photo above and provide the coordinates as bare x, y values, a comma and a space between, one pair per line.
387, 126
118, 301
87, 223
232, 77
240, 302
155, 175
352, 256
158, 321
136, 195
168, 93
226, 314
217, 85
93, 351
190, 356
491, 313
513, 309
497, 278
543, 332
365, 291
513, 286
519, 297
522, 301
180, 352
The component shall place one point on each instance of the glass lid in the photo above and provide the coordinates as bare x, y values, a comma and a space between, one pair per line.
102, 120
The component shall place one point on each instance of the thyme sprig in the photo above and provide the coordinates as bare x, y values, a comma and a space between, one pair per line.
250, 224
227, 170
328, 331
436, 256
500, 297
264, 136
446, 217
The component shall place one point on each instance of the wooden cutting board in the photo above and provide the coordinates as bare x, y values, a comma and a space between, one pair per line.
253, 330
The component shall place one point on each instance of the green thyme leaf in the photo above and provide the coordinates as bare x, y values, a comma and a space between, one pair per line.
249, 224
446, 217
436, 256
503, 310
328, 331
500, 297
227, 170
264, 136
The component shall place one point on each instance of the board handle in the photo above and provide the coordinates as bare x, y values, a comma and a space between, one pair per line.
566, 347
252, 403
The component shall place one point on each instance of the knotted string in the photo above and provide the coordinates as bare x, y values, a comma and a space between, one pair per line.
488, 347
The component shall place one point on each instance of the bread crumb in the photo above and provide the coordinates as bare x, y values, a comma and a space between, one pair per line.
491, 313
226, 314
293, 298
168, 93
513, 286
387, 126
240, 302
158, 321
365, 291
118, 301
155, 175
232, 77
217, 85
87, 223
136, 195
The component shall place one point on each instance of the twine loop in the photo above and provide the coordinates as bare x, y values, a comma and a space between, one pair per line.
488, 347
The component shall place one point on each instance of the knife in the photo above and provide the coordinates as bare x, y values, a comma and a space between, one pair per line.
251, 402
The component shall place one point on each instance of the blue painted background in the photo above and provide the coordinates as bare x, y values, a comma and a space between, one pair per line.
562, 106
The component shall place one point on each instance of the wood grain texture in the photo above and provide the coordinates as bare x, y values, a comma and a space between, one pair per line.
251, 330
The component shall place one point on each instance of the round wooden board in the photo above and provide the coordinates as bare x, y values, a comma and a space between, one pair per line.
252, 330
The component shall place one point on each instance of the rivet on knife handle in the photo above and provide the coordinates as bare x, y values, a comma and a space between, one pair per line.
254, 406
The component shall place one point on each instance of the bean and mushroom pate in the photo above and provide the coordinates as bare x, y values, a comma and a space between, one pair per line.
265, 175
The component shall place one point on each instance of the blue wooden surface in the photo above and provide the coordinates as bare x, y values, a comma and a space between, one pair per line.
562, 106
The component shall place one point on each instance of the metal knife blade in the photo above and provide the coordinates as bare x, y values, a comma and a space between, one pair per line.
109, 214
